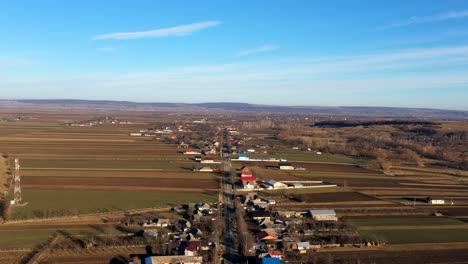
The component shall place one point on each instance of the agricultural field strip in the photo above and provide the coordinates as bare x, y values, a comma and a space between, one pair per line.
23, 139
122, 174
115, 188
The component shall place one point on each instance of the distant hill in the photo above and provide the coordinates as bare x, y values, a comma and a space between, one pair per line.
352, 111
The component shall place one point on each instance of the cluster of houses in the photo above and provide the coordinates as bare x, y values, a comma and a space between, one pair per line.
97, 121
278, 231
152, 132
187, 243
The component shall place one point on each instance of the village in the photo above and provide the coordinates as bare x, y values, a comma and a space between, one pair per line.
207, 190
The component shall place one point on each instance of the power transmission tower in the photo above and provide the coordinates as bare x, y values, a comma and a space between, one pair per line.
17, 183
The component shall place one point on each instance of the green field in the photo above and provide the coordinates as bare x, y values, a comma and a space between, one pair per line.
405, 222
419, 236
406, 231
121, 173
43, 203
31, 238
312, 157
105, 164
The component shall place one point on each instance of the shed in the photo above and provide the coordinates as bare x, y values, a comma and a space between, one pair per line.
323, 215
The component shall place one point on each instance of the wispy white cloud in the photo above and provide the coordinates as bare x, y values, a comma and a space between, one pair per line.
428, 19
435, 37
176, 31
107, 49
264, 48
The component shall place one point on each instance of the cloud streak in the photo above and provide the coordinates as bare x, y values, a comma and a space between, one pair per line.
177, 31
429, 19
264, 48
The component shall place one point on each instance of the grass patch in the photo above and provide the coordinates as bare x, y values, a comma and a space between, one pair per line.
419, 236
33, 238
105, 164
121, 173
405, 222
50, 203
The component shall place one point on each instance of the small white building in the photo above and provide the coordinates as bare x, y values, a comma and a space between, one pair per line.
251, 150
435, 200
323, 215
286, 166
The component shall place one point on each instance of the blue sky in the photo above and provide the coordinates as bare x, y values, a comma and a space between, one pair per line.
331, 53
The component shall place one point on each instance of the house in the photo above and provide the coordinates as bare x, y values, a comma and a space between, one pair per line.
285, 214
246, 172
173, 260
204, 206
272, 184
290, 243
251, 150
323, 215
249, 182
243, 156
163, 222
198, 158
265, 235
191, 250
265, 222
435, 200
194, 246
257, 215
286, 166
303, 247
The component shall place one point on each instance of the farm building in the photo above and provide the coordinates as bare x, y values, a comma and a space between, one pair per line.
198, 158
209, 160
435, 200
296, 185
323, 215
243, 156
246, 172
251, 150
190, 151
272, 184
206, 169
249, 182
286, 166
